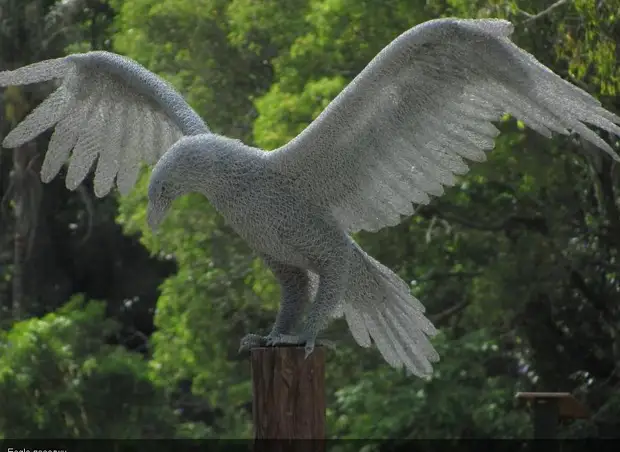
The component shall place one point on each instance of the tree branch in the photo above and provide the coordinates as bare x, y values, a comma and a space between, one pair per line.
537, 224
544, 12
90, 212
433, 276
444, 315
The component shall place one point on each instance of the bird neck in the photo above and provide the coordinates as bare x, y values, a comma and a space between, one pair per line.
223, 171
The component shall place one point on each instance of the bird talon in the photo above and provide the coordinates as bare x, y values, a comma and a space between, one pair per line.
273, 339
309, 347
250, 341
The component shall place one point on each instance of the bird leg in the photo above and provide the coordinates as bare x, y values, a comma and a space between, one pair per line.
333, 277
295, 287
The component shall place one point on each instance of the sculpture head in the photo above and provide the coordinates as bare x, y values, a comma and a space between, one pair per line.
172, 177
194, 164
161, 194
160, 199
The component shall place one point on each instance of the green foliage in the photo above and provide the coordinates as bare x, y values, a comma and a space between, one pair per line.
274, 127
187, 43
59, 379
590, 47
464, 398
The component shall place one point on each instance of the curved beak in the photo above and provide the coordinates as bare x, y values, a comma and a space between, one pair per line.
155, 213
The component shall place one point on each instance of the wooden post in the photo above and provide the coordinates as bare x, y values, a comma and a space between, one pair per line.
289, 393
546, 418
549, 408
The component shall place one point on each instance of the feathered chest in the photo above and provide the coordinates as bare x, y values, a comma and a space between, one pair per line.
265, 210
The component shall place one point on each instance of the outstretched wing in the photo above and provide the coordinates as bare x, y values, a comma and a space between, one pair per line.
402, 129
107, 108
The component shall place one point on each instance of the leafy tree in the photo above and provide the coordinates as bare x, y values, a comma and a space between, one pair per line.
59, 379
51, 243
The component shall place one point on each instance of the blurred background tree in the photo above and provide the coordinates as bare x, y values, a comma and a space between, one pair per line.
517, 265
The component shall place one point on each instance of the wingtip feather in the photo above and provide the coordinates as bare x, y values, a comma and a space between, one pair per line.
10, 141
35, 73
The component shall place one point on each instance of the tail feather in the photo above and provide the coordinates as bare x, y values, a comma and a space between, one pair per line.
357, 325
417, 318
385, 346
406, 345
378, 305
412, 336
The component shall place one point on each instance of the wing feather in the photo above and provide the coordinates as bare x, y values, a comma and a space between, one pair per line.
109, 110
62, 141
44, 116
109, 159
41, 71
130, 161
87, 147
402, 129
150, 136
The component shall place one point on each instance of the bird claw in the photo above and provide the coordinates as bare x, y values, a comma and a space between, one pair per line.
309, 342
251, 341
273, 339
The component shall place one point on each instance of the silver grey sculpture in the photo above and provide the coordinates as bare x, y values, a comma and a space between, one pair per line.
399, 132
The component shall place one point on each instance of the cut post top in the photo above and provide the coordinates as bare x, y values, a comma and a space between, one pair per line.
568, 406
